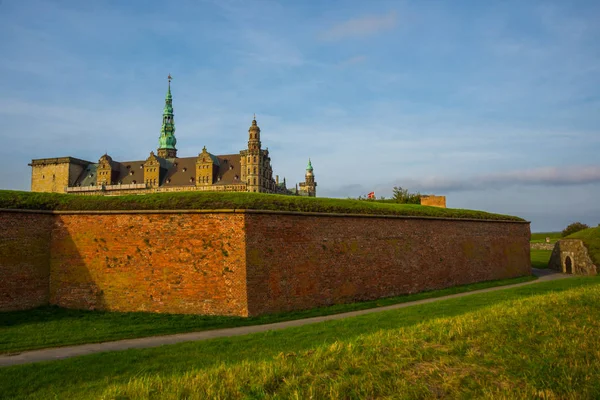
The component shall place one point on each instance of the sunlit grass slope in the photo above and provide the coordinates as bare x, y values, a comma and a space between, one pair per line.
229, 200
534, 341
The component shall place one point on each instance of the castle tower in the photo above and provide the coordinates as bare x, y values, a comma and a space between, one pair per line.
167, 141
254, 165
309, 186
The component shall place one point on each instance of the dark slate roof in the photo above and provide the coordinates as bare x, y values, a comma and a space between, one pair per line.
178, 171
88, 176
126, 168
229, 168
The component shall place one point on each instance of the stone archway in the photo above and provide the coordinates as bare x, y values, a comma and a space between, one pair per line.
568, 265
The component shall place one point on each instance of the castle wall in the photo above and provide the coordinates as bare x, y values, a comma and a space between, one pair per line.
24, 259
302, 261
189, 263
50, 177
244, 262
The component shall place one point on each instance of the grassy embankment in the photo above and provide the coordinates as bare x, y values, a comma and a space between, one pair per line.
53, 326
540, 258
230, 200
591, 239
535, 341
540, 237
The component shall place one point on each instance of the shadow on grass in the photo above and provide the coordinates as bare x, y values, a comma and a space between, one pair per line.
89, 374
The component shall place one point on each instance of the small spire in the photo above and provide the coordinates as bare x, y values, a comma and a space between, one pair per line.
254, 117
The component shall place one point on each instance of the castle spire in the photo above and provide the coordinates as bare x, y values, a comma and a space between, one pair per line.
254, 136
167, 141
309, 167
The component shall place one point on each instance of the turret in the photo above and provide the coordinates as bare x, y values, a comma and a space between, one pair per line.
309, 186
167, 141
253, 162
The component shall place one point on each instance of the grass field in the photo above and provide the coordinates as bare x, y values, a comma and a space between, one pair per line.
53, 326
229, 200
536, 341
540, 258
540, 237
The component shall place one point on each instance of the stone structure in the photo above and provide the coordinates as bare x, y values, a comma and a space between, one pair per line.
164, 171
243, 262
570, 256
434, 201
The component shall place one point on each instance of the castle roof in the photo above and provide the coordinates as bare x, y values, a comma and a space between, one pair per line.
176, 171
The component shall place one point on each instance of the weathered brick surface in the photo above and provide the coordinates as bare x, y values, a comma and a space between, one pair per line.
175, 263
24, 260
297, 262
243, 263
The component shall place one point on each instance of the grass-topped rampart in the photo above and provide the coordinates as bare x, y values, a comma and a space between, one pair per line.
591, 239
230, 200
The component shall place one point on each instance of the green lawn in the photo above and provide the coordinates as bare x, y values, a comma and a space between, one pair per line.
229, 200
535, 341
540, 258
53, 326
540, 237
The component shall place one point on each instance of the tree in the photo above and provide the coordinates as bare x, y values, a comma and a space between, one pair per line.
403, 196
574, 227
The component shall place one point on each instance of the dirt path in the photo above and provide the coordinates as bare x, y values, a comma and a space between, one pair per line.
58, 353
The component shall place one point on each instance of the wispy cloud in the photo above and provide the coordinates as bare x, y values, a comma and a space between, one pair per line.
360, 27
546, 176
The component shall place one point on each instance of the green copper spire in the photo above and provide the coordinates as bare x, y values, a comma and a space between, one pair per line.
309, 166
167, 141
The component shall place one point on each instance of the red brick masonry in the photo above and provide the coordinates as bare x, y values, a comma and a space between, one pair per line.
243, 262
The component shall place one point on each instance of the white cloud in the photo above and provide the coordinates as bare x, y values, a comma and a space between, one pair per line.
360, 27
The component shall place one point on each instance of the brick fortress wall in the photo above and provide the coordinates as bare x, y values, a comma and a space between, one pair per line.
299, 261
244, 262
190, 263
24, 259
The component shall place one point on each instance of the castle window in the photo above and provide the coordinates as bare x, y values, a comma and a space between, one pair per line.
184, 169
130, 172
230, 166
192, 179
169, 180
254, 158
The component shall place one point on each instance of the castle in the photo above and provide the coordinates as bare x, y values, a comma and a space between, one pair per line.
248, 171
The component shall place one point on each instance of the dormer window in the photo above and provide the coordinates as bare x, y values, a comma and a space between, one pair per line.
192, 179
130, 172
184, 169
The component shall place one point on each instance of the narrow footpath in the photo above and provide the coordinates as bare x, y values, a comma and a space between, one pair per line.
59, 353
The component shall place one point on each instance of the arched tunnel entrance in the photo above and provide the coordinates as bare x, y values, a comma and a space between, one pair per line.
568, 265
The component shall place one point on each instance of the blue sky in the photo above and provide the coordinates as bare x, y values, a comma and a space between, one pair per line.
494, 104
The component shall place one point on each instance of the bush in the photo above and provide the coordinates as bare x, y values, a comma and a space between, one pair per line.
574, 227
403, 196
